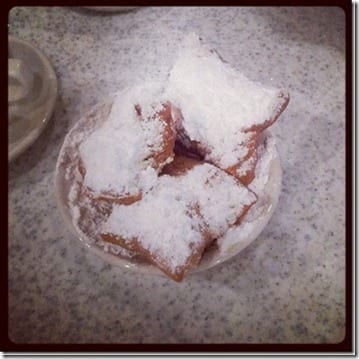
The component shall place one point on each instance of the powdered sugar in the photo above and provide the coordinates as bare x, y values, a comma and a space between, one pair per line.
117, 156
217, 102
165, 226
246, 166
220, 197
170, 220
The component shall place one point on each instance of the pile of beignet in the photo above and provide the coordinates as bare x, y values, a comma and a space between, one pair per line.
167, 171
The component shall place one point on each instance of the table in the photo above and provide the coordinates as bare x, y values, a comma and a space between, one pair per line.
288, 286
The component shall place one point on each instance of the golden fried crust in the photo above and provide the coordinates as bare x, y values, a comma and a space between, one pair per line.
180, 165
176, 274
249, 161
168, 138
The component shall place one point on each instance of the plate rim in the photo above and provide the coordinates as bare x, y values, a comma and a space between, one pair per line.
24, 142
148, 268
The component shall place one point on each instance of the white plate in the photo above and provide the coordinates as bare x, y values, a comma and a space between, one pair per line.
23, 132
227, 248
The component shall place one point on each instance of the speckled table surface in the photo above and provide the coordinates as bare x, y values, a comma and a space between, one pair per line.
287, 286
